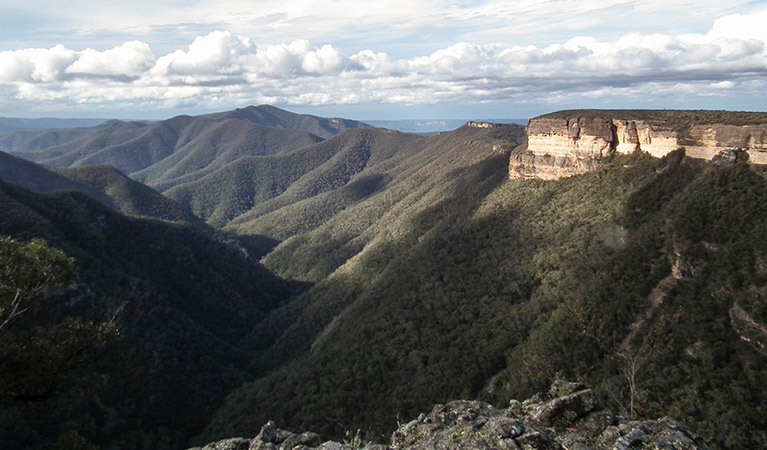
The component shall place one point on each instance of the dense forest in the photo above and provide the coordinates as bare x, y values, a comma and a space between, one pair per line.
364, 275
645, 279
176, 300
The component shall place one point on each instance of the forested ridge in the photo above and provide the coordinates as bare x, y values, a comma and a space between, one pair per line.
421, 274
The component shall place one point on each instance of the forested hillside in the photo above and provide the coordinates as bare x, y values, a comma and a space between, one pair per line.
103, 183
181, 301
166, 153
420, 274
645, 279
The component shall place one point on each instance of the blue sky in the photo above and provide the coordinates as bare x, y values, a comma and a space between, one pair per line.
396, 59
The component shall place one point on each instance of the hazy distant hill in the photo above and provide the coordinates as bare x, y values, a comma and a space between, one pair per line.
271, 116
431, 126
178, 150
8, 125
39, 139
103, 183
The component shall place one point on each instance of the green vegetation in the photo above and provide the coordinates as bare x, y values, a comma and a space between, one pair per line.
433, 277
496, 288
103, 183
183, 303
668, 118
44, 357
248, 182
107, 184
178, 150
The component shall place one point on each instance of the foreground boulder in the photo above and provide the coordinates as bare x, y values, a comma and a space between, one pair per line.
568, 417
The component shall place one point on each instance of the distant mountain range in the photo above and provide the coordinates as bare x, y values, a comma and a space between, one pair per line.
333, 276
8, 124
416, 126
431, 126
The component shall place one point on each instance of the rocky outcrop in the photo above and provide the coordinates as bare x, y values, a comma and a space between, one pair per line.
568, 416
483, 124
560, 146
528, 165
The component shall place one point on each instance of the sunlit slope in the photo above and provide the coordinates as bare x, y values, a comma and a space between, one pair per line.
253, 186
481, 286
376, 179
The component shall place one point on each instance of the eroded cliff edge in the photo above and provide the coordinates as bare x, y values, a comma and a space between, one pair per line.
568, 143
568, 416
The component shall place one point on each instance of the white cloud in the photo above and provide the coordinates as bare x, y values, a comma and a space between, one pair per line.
37, 65
223, 69
741, 26
216, 53
129, 60
295, 58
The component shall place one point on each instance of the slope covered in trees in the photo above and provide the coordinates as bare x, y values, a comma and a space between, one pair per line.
178, 150
433, 277
182, 303
649, 271
103, 183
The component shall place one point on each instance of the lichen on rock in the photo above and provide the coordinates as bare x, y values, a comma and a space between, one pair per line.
567, 417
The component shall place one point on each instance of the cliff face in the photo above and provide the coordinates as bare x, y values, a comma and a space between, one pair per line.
564, 146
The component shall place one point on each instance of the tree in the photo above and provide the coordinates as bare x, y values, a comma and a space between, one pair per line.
634, 356
27, 272
40, 348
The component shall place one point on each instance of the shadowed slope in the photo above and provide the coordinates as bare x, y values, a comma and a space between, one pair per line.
182, 302
103, 183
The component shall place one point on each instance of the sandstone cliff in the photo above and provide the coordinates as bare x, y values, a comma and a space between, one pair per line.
572, 142
569, 416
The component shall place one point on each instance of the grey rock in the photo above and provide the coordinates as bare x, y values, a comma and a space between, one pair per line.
306, 439
568, 416
229, 444
331, 445
268, 432
564, 411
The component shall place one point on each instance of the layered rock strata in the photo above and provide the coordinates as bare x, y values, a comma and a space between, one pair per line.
569, 416
559, 147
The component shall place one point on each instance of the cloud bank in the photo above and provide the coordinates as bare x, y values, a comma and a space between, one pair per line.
223, 69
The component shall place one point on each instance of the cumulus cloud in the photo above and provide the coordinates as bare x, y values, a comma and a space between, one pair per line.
741, 26
216, 53
35, 65
129, 60
224, 69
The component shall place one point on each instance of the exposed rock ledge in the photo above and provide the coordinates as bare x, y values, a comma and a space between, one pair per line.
568, 417
483, 124
560, 146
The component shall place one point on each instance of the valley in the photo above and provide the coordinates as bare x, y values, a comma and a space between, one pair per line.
331, 276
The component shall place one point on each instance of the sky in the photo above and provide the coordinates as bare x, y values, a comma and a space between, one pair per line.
390, 59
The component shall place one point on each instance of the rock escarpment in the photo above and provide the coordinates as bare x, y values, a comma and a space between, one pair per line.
573, 142
569, 416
